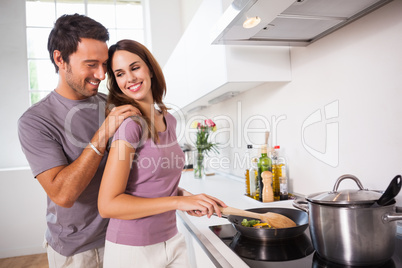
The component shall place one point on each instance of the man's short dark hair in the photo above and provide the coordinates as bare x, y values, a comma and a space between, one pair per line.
68, 31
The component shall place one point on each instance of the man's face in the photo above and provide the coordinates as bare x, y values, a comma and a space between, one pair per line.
87, 68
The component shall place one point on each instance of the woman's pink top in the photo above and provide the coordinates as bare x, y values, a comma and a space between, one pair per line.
155, 172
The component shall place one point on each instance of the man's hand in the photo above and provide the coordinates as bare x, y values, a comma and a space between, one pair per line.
112, 122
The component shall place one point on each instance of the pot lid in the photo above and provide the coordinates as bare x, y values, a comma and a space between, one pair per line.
346, 197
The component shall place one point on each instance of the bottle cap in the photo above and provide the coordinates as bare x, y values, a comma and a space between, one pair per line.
277, 147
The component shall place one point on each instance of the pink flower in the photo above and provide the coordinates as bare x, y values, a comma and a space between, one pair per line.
209, 123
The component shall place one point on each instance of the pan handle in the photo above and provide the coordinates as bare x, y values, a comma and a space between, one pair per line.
394, 216
301, 204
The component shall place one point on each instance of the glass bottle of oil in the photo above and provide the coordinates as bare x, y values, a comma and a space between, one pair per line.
283, 182
253, 173
279, 175
276, 172
247, 172
247, 182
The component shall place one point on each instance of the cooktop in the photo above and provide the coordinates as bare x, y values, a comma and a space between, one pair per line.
287, 253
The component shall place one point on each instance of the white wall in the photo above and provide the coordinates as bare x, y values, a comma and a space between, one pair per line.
188, 9
165, 27
357, 71
23, 201
23, 214
14, 80
166, 23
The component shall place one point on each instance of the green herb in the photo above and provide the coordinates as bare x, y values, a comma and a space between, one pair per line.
249, 223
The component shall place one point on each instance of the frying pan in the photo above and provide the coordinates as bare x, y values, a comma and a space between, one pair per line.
298, 216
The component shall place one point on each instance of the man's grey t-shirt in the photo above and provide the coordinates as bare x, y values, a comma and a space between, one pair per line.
52, 133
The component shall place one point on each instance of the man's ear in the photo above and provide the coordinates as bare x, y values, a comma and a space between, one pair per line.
58, 59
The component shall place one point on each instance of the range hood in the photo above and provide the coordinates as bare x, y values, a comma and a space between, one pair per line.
288, 22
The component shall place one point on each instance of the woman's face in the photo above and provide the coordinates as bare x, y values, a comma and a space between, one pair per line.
132, 75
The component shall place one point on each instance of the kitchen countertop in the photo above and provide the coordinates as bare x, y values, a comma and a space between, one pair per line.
230, 190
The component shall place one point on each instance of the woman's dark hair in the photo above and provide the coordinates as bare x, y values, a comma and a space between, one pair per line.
158, 85
68, 31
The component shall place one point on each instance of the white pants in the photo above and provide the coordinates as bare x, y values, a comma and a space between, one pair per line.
171, 253
92, 258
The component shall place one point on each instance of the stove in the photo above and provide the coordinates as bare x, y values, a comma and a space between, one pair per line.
287, 253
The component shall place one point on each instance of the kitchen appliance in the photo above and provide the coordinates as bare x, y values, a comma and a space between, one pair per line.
188, 151
288, 22
349, 226
288, 253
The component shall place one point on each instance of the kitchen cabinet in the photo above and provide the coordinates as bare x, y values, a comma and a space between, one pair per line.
198, 71
197, 255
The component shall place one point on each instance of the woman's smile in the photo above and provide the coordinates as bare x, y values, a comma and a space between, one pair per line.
135, 87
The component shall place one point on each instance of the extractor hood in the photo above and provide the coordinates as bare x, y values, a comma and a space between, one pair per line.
288, 22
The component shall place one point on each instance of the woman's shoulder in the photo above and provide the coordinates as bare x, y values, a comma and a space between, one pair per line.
131, 130
132, 123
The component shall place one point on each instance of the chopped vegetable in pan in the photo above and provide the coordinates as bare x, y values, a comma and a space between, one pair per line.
256, 224
249, 223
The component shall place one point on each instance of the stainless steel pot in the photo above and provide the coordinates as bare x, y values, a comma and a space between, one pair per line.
347, 227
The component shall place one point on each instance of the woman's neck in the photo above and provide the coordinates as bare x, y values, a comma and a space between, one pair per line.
148, 110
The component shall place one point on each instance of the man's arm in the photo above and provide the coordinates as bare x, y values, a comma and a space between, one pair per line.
64, 184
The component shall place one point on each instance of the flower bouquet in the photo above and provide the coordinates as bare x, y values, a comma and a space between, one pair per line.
203, 145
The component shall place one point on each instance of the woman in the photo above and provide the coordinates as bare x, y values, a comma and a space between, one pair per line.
139, 189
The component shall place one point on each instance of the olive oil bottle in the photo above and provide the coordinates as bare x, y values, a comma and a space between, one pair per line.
276, 173
247, 172
253, 173
279, 175
247, 182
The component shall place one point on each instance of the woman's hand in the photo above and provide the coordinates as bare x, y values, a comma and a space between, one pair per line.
200, 205
196, 213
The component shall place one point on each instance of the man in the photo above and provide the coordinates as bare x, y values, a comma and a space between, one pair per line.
64, 137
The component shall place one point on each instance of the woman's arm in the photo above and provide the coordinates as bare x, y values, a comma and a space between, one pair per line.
183, 192
113, 202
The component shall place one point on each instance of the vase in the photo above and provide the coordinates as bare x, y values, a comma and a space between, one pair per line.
199, 165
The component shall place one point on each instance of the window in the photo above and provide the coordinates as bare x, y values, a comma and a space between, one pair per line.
123, 18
